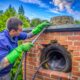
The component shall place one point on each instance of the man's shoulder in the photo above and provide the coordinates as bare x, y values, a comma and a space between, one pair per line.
2, 36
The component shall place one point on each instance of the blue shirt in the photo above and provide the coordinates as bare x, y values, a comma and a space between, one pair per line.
7, 44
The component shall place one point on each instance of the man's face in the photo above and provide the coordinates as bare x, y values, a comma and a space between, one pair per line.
19, 29
17, 33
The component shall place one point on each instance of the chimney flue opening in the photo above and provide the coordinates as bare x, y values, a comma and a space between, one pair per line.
59, 58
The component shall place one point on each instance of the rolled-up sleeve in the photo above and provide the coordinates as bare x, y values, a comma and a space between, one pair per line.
24, 35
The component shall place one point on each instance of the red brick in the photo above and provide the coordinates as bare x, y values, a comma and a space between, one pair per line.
45, 42
76, 73
76, 58
74, 78
45, 72
46, 78
74, 63
63, 38
77, 43
76, 53
75, 68
71, 47
74, 37
30, 59
39, 77
76, 33
59, 74
69, 39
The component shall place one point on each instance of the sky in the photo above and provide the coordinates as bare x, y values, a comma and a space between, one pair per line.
45, 9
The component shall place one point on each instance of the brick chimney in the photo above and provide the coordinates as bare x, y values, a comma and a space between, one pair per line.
67, 36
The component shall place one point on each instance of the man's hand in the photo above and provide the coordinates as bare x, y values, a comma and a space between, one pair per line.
39, 28
13, 55
27, 46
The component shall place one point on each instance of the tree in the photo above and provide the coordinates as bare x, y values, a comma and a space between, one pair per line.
45, 21
35, 22
10, 12
26, 21
21, 10
77, 21
1, 12
2, 22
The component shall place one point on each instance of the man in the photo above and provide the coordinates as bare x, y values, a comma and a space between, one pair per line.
9, 49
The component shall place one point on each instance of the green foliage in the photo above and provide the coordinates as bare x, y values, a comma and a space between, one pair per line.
2, 24
45, 21
26, 22
14, 70
15, 67
35, 22
1, 12
77, 22
21, 10
11, 12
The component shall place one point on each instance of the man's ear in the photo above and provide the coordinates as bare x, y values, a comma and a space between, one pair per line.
12, 32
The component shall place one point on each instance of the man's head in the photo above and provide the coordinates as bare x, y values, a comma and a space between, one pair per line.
14, 26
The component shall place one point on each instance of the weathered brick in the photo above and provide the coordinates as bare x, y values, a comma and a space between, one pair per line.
69, 40
76, 58
76, 73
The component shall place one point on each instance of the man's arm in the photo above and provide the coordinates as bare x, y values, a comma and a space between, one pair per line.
14, 54
34, 32
30, 35
3, 51
24, 35
4, 63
